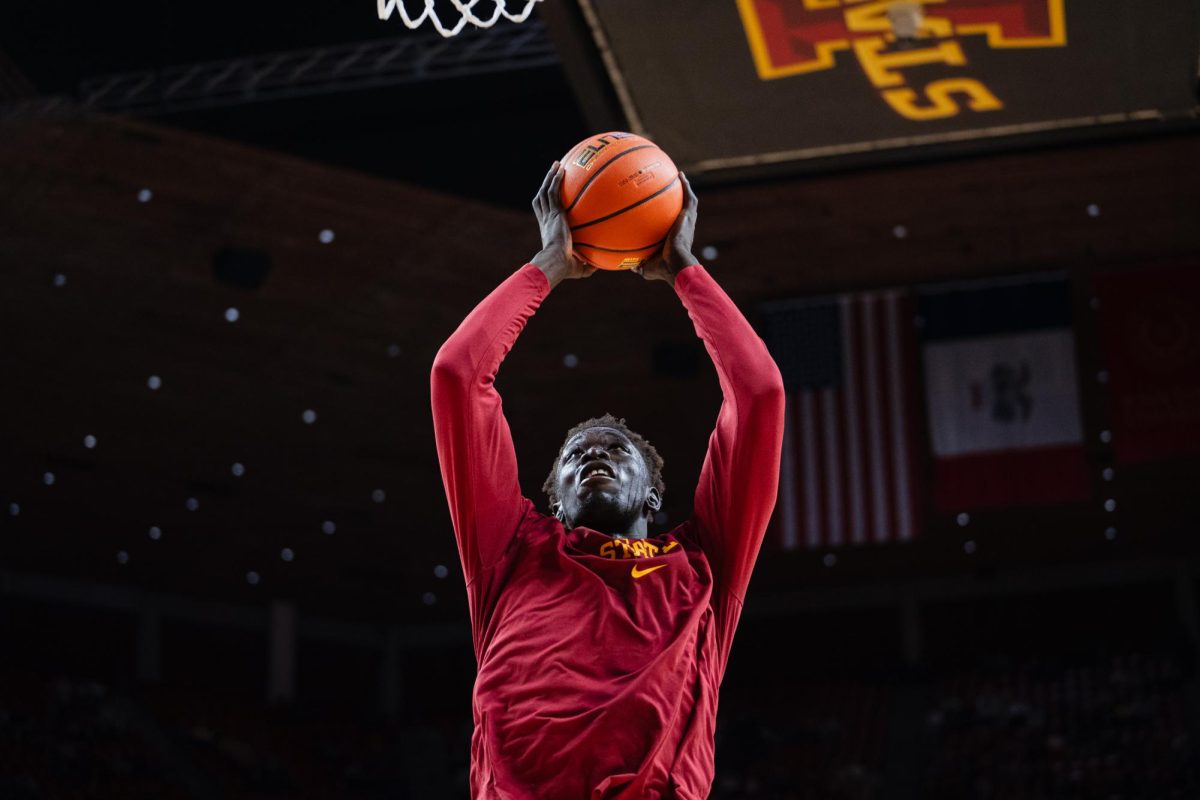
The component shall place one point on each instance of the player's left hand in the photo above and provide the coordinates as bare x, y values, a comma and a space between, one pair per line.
677, 248
556, 260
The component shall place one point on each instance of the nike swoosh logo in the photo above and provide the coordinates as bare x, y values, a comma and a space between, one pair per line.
638, 573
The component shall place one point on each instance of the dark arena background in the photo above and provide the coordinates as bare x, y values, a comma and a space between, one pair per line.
234, 235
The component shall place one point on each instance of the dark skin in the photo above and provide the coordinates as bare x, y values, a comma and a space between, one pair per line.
603, 484
603, 481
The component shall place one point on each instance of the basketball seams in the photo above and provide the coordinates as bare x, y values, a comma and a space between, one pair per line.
602, 167
650, 246
619, 212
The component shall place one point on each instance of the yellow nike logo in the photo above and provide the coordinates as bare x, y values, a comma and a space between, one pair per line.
638, 573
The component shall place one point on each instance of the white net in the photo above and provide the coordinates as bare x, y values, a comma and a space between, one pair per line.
459, 12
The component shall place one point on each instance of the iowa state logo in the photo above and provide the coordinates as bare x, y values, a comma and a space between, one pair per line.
798, 37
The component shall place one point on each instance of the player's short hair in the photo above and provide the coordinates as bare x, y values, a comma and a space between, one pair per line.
654, 462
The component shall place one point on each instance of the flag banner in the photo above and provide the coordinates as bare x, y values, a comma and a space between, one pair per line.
1150, 327
849, 474
1002, 393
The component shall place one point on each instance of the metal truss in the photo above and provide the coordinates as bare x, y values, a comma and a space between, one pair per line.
321, 70
54, 105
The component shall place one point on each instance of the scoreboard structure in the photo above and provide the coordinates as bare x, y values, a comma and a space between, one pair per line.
755, 86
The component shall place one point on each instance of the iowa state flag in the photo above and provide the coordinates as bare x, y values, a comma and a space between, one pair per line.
1001, 393
849, 473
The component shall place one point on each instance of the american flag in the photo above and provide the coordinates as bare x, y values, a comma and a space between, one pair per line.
850, 472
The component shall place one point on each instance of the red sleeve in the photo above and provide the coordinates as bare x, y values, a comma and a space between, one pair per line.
475, 449
740, 477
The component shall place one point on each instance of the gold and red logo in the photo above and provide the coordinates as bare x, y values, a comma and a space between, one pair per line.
887, 37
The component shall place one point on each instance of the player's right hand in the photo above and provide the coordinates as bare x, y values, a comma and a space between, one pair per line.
677, 248
556, 259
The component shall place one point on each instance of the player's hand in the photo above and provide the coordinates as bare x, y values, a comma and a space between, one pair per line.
677, 248
556, 260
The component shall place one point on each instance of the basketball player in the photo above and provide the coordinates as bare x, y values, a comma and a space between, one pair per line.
600, 647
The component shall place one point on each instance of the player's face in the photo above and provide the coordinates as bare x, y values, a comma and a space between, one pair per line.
603, 481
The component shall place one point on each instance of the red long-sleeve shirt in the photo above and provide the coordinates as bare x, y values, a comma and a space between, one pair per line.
599, 657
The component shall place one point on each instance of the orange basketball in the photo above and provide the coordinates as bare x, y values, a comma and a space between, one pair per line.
621, 194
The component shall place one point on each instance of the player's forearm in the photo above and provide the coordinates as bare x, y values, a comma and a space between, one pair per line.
740, 475
478, 462
473, 353
748, 375
464, 371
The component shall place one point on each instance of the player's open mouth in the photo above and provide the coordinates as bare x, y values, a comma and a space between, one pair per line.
594, 473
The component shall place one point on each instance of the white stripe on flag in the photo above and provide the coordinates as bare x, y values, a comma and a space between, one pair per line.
858, 528
877, 483
899, 450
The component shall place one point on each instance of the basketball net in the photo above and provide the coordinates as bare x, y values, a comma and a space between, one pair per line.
464, 9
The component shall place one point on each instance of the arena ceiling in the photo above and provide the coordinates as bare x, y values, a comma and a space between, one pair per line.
481, 115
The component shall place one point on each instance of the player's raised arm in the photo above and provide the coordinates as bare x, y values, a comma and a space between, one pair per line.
475, 449
740, 477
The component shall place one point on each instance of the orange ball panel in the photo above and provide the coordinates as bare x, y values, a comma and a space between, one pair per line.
603, 259
638, 230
